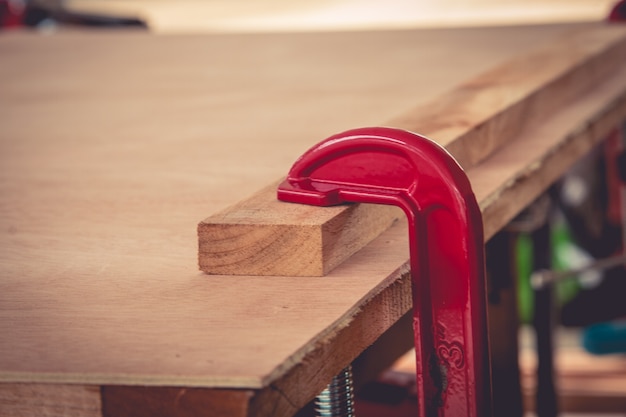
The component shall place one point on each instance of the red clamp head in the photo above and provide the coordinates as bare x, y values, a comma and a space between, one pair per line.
397, 167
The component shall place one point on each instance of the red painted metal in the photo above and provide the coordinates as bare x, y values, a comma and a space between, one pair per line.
618, 12
397, 167
11, 13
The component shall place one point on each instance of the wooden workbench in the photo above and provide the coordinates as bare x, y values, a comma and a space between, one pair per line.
113, 147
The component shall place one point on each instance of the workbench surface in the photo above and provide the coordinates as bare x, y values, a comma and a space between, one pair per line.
114, 145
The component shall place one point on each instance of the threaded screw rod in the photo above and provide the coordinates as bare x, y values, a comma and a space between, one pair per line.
337, 399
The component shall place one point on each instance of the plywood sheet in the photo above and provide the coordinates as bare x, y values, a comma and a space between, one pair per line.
113, 145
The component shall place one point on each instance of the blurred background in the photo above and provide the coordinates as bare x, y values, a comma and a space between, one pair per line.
189, 16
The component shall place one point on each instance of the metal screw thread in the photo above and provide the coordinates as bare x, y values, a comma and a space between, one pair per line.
337, 399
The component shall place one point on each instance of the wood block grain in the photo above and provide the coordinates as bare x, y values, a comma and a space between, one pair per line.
264, 236
261, 236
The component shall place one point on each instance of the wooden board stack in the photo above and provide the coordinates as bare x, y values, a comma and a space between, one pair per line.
498, 110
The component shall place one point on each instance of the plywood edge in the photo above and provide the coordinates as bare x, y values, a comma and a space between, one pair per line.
51, 400
261, 236
307, 371
476, 118
121, 379
136, 401
551, 147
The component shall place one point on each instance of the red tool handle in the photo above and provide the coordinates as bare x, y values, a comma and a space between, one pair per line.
392, 166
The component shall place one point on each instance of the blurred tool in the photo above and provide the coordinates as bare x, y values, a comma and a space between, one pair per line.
540, 279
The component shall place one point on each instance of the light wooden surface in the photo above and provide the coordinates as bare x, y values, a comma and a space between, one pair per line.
262, 236
114, 145
193, 16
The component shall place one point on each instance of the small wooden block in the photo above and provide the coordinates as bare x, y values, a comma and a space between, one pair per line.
264, 236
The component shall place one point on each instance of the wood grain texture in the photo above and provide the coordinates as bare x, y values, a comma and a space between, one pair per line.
548, 150
113, 145
261, 236
125, 401
110, 154
291, 241
45, 400
481, 115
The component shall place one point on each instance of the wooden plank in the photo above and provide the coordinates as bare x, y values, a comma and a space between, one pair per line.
122, 201
261, 236
598, 112
111, 153
231, 242
58, 400
100, 202
46, 400
481, 115
125, 401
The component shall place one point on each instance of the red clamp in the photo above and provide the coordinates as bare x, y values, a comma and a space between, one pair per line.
12, 13
396, 167
618, 13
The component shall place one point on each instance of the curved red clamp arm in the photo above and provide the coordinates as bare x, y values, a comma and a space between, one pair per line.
392, 166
